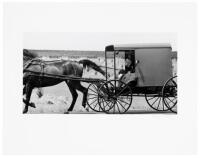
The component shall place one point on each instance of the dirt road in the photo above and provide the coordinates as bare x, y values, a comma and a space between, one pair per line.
57, 99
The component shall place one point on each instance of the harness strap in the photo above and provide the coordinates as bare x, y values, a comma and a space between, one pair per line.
74, 70
42, 65
39, 62
30, 62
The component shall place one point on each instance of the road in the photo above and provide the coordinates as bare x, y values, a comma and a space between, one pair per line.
57, 99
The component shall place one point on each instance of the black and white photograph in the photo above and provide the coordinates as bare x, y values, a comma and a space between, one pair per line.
100, 78
119, 79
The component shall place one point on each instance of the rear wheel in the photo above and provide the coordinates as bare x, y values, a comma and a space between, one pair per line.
169, 92
155, 101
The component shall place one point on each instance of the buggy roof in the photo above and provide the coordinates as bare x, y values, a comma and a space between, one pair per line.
137, 46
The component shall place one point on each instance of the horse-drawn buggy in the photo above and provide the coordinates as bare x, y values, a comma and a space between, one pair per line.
148, 73
146, 70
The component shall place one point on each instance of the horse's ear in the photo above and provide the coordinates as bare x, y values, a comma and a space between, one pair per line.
29, 54
25, 51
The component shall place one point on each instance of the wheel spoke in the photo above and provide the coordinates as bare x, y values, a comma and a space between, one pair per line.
163, 105
104, 105
92, 90
123, 101
92, 94
159, 103
121, 91
100, 102
93, 102
155, 101
95, 105
121, 105
107, 104
92, 97
110, 105
174, 98
151, 98
170, 100
118, 108
168, 105
94, 87
114, 109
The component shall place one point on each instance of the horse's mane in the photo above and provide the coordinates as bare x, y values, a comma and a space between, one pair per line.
91, 64
28, 54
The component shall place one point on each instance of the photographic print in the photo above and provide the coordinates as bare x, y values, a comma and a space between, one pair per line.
128, 78
100, 78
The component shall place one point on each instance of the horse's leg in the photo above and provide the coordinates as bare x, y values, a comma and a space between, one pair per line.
74, 96
28, 90
24, 90
84, 91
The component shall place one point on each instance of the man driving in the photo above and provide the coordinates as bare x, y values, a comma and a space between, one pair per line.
128, 75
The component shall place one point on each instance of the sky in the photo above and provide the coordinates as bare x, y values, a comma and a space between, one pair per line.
92, 41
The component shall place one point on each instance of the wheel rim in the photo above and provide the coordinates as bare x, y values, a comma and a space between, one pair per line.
155, 102
92, 98
170, 94
116, 97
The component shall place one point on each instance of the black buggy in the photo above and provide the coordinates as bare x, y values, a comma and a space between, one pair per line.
148, 73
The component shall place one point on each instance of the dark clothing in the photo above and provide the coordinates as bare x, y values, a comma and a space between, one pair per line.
129, 68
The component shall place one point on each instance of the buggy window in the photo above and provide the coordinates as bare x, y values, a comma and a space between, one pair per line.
130, 61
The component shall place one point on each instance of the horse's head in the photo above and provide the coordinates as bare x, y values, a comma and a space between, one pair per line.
27, 55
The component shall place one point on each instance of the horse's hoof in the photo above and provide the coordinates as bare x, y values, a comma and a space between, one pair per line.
25, 110
87, 109
32, 105
66, 112
69, 110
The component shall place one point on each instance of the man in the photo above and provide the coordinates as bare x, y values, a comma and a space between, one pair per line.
128, 75
128, 64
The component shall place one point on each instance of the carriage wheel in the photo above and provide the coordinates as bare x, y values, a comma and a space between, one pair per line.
169, 92
92, 97
115, 97
155, 101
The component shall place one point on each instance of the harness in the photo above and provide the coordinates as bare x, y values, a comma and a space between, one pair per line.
42, 63
29, 63
75, 72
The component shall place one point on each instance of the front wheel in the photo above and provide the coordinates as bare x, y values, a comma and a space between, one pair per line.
92, 97
115, 96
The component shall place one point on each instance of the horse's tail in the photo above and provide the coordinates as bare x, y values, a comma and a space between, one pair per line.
92, 65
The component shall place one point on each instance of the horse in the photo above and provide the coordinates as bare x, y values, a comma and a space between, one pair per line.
60, 67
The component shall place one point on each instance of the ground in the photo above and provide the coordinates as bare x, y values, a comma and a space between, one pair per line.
57, 99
